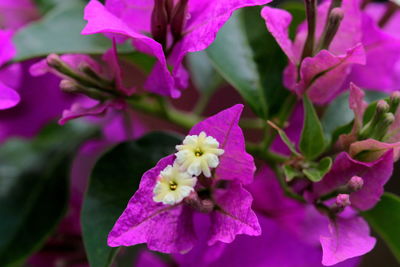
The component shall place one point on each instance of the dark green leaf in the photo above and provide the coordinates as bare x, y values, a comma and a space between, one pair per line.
59, 32
315, 174
114, 180
312, 141
33, 190
203, 74
384, 218
268, 56
232, 56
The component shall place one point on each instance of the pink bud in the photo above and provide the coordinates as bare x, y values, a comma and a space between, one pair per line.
343, 200
355, 183
54, 60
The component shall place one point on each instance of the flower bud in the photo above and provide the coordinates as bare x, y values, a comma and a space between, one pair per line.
394, 101
54, 61
159, 22
343, 200
169, 6
355, 183
68, 86
376, 128
333, 23
178, 19
311, 13
382, 106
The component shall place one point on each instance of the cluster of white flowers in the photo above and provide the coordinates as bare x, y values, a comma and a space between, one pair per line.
197, 155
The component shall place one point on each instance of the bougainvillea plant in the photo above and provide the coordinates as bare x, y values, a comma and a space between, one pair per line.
199, 133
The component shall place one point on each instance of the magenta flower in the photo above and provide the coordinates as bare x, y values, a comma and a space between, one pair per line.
8, 76
194, 25
94, 105
381, 41
342, 236
321, 75
169, 196
17, 13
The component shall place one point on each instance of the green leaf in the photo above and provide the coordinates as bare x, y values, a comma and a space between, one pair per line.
33, 190
312, 141
315, 174
268, 56
384, 218
232, 57
114, 180
59, 32
291, 173
203, 74
285, 139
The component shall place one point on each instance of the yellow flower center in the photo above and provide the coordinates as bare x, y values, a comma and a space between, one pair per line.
198, 152
172, 185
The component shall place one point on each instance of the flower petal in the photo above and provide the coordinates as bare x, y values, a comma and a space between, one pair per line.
347, 238
164, 228
235, 164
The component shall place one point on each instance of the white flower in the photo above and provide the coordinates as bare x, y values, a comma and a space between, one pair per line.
173, 185
198, 154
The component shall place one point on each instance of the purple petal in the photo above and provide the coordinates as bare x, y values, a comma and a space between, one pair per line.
41, 102
322, 76
235, 164
16, 13
382, 70
375, 175
111, 58
234, 215
135, 13
357, 104
278, 22
146, 259
347, 238
7, 49
268, 250
375, 149
164, 228
80, 109
8, 97
100, 20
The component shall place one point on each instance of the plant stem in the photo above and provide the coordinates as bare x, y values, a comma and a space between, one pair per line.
283, 116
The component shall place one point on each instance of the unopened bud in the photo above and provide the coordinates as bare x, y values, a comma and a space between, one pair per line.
311, 14
54, 61
178, 19
382, 106
355, 183
343, 200
388, 119
333, 23
68, 86
169, 7
159, 22
394, 101
376, 128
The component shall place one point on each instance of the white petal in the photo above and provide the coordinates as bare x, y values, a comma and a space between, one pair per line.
194, 168
212, 160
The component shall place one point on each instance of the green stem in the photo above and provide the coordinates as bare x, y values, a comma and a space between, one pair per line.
283, 116
288, 191
180, 118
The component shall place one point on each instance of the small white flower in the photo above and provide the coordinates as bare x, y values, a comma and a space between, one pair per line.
198, 154
173, 185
